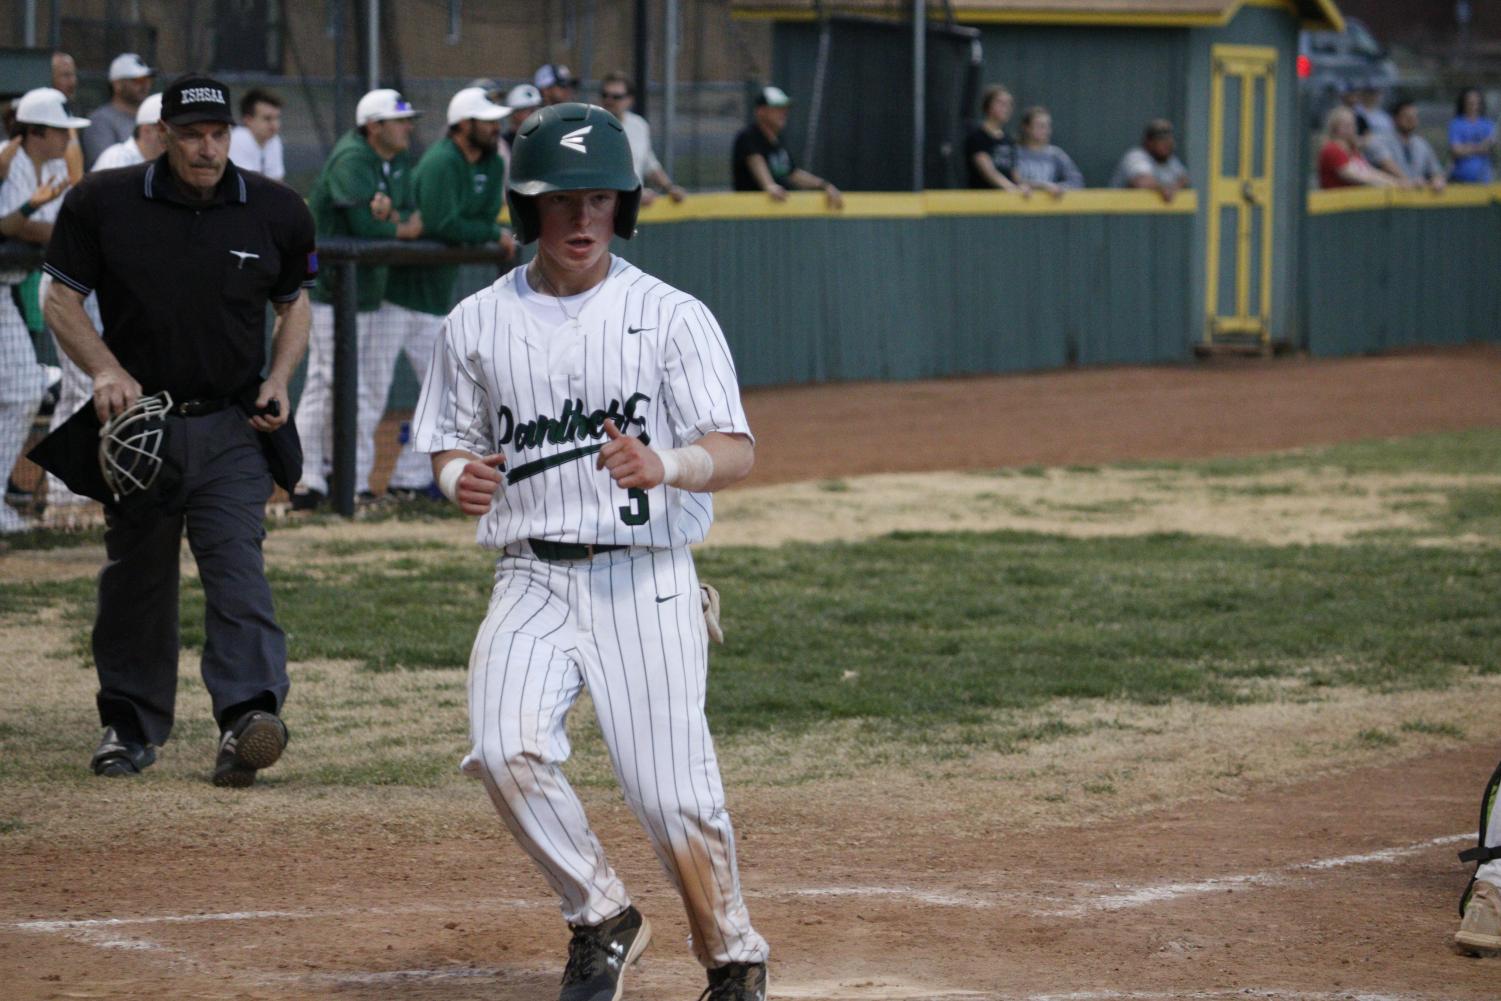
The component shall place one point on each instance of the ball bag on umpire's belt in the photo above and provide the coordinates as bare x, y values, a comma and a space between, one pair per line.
571, 147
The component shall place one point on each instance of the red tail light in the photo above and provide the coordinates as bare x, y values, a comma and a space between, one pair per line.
1305, 67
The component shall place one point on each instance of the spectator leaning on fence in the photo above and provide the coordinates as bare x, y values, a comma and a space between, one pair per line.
1341, 164
1472, 139
761, 163
989, 151
65, 80
1371, 119
617, 93
459, 187
1154, 165
1404, 154
29, 202
1039, 164
115, 120
523, 100
364, 191
255, 144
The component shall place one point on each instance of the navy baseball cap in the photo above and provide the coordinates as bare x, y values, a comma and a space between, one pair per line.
194, 98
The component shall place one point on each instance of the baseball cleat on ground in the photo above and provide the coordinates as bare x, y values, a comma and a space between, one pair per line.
255, 741
1480, 930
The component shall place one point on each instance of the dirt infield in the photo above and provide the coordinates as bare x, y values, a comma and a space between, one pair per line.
1313, 884
1231, 407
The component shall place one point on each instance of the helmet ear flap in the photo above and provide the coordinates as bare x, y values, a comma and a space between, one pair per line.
524, 218
627, 208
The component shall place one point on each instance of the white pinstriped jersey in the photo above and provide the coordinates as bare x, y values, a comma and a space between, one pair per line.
505, 380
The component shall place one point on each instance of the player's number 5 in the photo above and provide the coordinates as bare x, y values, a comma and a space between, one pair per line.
638, 511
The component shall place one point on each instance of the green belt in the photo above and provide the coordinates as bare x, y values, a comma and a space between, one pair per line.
555, 552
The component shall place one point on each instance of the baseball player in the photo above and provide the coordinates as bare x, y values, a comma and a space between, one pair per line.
147, 143
364, 190
583, 411
458, 186
29, 204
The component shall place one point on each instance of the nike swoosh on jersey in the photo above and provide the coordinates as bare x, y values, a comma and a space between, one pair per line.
637, 330
668, 598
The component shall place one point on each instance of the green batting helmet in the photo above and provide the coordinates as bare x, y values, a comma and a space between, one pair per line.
571, 147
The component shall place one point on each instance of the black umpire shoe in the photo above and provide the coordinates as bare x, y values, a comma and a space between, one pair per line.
116, 758
255, 741
736, 982
599, 954
307, 500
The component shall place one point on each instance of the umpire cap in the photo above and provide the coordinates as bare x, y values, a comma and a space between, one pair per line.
571, 147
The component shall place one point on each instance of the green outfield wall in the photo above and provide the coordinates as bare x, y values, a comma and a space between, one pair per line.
899, 286
1390, 269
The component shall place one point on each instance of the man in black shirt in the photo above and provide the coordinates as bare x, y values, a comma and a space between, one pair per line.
761, 163
185, 252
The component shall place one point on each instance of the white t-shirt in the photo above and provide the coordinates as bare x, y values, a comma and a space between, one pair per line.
19, 184
638, 131
125, 154
248, 154
1138, 161
508, 377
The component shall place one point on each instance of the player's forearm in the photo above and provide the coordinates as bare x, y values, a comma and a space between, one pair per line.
733, 456
289, 340
65, 316
761, 172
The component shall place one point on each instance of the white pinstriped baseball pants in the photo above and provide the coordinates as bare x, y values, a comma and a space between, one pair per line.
77, 389
418, 338
315, 408
629, 626
22, 383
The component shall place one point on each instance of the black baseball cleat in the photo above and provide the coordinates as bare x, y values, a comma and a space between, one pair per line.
255, 741
307, 500
736, 982
599, 954
116, 758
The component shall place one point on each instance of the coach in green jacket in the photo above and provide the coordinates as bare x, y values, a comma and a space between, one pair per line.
364, 191
459, 187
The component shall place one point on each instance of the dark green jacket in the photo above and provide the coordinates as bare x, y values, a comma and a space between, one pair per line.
340, 204
459, 202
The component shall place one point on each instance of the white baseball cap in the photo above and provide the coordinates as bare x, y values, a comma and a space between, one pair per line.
150, 111
383, 105
45, 106
128, 66
471, 102
523, 96
553, 75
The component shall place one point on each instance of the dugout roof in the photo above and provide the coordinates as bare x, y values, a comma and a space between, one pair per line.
1316, 14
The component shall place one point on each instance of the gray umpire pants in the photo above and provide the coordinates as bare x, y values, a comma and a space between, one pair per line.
222, 504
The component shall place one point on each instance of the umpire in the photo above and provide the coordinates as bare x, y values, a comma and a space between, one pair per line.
185, 252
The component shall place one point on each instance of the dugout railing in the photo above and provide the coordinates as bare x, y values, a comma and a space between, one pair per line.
339, 258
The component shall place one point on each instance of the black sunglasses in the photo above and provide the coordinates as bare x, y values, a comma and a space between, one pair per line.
619, 95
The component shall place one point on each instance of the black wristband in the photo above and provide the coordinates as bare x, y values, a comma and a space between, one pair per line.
27, 208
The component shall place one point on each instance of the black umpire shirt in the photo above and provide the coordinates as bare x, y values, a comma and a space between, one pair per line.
182, 283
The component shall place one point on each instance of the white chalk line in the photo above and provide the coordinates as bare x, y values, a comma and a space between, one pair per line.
1156, 894
108, 933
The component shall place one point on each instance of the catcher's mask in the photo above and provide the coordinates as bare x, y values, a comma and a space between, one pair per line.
571, 147
132, 446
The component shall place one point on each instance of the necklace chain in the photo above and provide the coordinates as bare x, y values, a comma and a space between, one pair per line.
558, 296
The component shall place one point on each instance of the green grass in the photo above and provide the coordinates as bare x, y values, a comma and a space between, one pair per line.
939, 627
1465, 453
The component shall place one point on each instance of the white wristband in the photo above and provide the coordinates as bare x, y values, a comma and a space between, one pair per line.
448, 477
688, 468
